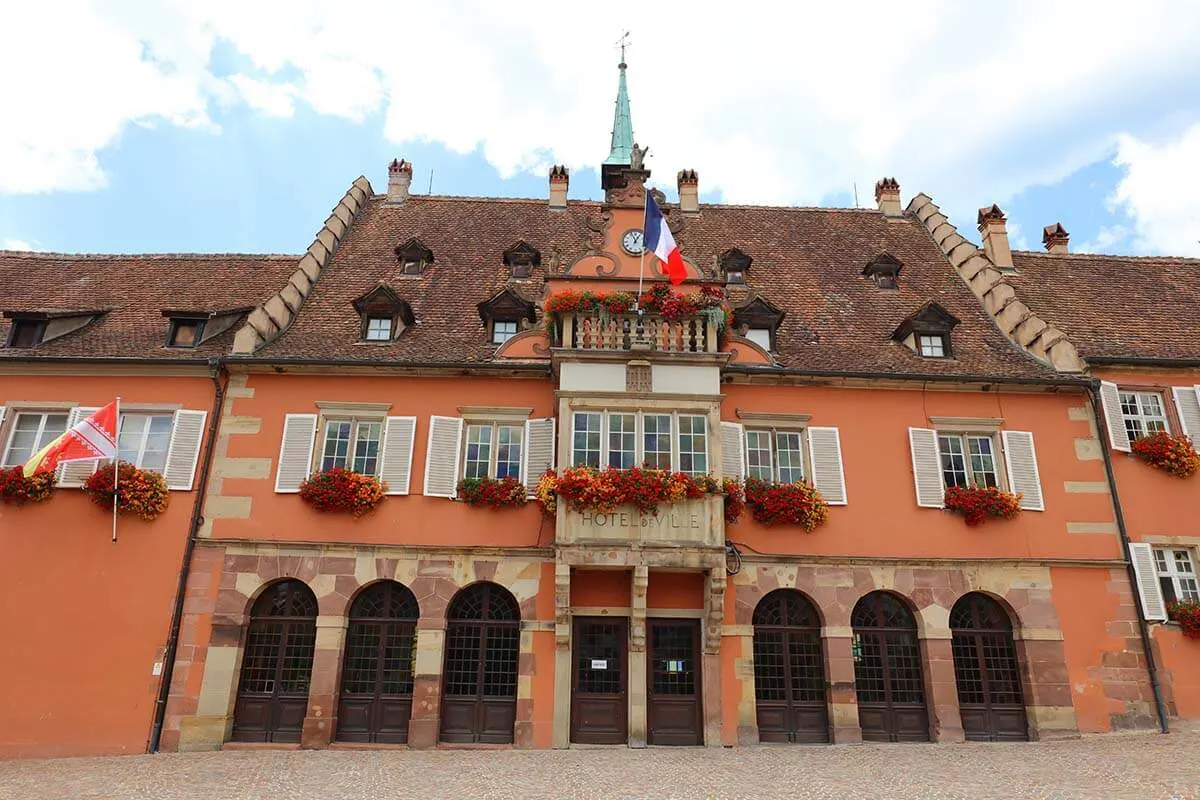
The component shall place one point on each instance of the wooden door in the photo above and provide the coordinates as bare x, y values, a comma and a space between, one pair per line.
479, 680
599, 689
986, 671
789, 670
272, 698
674, 682
887, 671
377, 675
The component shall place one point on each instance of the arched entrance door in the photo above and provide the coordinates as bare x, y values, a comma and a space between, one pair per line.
377, 676
272, 694
483, 642
789, 670
986, 671
887, 671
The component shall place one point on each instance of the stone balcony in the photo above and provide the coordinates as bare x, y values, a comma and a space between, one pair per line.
601, 332
689, 524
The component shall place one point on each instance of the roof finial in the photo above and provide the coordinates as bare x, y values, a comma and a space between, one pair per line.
623, 42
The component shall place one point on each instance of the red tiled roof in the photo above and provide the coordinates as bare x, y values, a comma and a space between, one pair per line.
808, 262
135, 289
1115, 306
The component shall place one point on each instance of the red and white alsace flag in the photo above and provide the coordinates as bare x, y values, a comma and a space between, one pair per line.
92, 438
661, 243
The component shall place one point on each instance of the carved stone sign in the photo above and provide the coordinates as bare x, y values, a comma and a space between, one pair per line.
692, 522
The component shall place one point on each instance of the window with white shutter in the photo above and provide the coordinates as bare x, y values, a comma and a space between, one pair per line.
1114, 420
733, 456
538, 453
184, 449
396, 453
29, 432
295, 452
73, 474
442, 456
825, 454
927, 467
1187, 403
1142, 556
1020, 456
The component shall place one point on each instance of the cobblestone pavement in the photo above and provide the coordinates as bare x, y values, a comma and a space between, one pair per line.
1141, 766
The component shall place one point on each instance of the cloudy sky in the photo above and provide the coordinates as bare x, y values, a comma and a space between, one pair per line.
235, 125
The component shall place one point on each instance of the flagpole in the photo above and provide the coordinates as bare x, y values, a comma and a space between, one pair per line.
637, 304
116, 471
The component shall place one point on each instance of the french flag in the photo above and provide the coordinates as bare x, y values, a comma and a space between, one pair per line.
661, 243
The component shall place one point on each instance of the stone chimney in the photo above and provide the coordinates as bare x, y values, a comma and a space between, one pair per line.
689, 191
399, 179
560, 179
993, 227
1055, 238
887, 196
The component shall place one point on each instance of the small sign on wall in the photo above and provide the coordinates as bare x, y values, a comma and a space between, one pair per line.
599, 663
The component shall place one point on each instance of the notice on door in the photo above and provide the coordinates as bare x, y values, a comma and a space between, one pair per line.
599, 663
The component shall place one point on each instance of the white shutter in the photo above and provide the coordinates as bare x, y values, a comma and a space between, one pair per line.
825, 455
537, 452
2, 410
733, 451
1110, 398
1020, 457
396, 452
72, 474
1142, 556
441, 456
295, 452
927, 467
1187, 403
186, 435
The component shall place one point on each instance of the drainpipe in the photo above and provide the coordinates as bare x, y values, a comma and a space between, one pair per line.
220, 379
1143, 627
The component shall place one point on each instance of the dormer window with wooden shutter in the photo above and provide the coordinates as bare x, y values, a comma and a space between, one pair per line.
26, 333
414, 257
504, 314
734, 264
758, 320
32, 328
521, 258
927, 331
384, 314
192, 327
884, 270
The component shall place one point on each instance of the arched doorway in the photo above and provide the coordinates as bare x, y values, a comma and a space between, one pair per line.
479, 682
789, 670
377, 674
986, 671
272, 697
887, 671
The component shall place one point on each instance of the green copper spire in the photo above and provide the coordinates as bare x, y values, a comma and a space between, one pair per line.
622, 132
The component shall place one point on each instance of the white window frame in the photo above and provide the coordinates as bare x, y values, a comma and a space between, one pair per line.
773, 434
964, 438
371, 319
493, 446
1166, 568
140, 457
352, 449
760, 336
926, 343
640, 438
39, 440
497, 333
1139, 417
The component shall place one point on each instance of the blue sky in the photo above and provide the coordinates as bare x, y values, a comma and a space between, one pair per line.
227, 127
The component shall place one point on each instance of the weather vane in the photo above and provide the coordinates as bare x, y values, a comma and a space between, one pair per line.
623, 42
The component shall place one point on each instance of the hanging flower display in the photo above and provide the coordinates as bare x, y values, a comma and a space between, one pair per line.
1173, 454
17, 490
977, 504
339, 489
601, 491
710, 302
1187, 614
506, 492
138, 491
785, 504
735, 500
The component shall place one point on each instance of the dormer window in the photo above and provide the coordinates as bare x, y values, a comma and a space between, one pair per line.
760, 336
932, 345
379, 329
759, 322
927, 331
521, 258
734, 264
26, 333
503, 330
414, 257
884, 269
185, 332
32, 328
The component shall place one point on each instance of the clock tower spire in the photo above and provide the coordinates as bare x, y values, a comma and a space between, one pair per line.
620, 156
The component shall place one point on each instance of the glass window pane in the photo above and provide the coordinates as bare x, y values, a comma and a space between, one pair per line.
503, 330
1183, 561
1160, 561
479, 451
24, 440
693, 444
954, 467
932, 346
366, 447
622, 440
508, 451
758, 455
587, 439
760, 336
656, 441
379, 329
983, 461
790, 454
158, 441
130, 437
337, 445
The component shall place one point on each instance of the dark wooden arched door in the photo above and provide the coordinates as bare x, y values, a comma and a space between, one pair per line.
479, 681
887, 671
377, 674
789, 670
986, 671
272, 697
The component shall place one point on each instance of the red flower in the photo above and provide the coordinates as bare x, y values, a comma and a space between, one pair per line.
17, 490
339, 489
507, 492
1173, 454
786, 503
1187, 614
138, 491
977, 504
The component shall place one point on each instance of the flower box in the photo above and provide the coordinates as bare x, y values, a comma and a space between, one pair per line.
1172, 454
977, 504
138, 491
798, 504
506, 492
17, 490
342, 490
1187, 614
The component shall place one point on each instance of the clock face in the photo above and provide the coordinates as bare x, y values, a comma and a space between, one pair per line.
633, 241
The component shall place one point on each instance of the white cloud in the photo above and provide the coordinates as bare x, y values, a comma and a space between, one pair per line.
774, 104
16, 244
